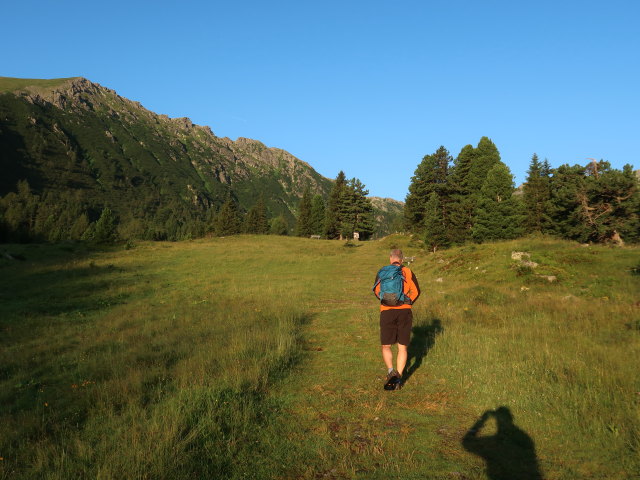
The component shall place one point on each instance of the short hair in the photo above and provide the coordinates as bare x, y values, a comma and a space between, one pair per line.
396, 253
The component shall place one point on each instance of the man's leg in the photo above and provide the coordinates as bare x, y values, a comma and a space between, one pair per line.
405, 324
402, 358
387, 356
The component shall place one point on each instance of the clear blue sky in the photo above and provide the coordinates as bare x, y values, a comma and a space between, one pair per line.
368, 87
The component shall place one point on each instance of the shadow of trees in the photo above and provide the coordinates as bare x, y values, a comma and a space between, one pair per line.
509, 454
423, 338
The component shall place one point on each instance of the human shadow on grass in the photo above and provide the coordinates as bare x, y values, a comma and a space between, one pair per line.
423, 338
509, 453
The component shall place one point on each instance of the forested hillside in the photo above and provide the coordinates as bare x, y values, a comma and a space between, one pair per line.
71, 148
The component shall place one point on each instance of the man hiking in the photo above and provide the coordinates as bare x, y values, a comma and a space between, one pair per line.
397, 289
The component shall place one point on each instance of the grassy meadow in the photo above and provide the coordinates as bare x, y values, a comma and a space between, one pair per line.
258, 357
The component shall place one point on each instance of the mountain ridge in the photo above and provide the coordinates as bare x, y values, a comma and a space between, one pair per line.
74, 134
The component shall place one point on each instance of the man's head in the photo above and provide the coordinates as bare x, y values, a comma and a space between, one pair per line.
396, 256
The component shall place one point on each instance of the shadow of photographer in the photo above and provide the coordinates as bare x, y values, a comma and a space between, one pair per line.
423, 338
510, 453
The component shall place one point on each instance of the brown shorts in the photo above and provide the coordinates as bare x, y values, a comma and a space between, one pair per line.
395, 326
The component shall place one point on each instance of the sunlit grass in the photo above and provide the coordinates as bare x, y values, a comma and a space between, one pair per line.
258, 357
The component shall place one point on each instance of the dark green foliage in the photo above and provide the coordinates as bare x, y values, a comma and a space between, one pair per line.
317, 215
461, 167
227, 221
476, 200
105, 228
458, 190
498, 214
595, 203
609, 202
303, 223
432, 175
566, 183
279, 226
357, 211
435, 234
486, 155
348, 210
87, 149
335, 208
256, 219
19, 212
463, 203
537, 197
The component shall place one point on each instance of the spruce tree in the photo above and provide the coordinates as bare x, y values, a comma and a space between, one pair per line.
468, 176
105, 230
567, 185
317, 215
486, 156
435, 235
279, 226
498, 215
357, 212
461, 206
335, 208
255, 221
303, 222
460, 171
431, 175
227, 221
536, 198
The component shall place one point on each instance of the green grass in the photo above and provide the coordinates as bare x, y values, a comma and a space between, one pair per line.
9, 84
258, 357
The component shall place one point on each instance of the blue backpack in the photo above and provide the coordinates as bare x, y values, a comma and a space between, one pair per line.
391, 286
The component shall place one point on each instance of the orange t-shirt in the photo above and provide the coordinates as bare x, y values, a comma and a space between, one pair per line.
410, 288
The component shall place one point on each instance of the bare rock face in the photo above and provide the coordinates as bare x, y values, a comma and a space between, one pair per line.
616, 239
524, 259
549, 278
184, 122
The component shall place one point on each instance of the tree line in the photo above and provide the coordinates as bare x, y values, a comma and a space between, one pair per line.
473, 198
26, 216
347, 211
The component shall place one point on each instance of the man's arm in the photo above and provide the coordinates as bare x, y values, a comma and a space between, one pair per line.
376, 286
414, 287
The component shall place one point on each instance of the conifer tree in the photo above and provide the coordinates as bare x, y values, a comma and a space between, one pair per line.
498, 215
335, 208
279, 226
255, 221
468, 175
462, 206
303, 222
486, 155
227, 221
431, 175
435, 235
357, 213
103, 231
460, 171
567, 184
536, 198
317, 215
608, 203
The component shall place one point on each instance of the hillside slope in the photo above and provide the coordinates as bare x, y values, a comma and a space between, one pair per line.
507, 372
72, 135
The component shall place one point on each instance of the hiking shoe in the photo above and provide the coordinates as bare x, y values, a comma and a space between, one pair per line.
393, 379
399, 384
